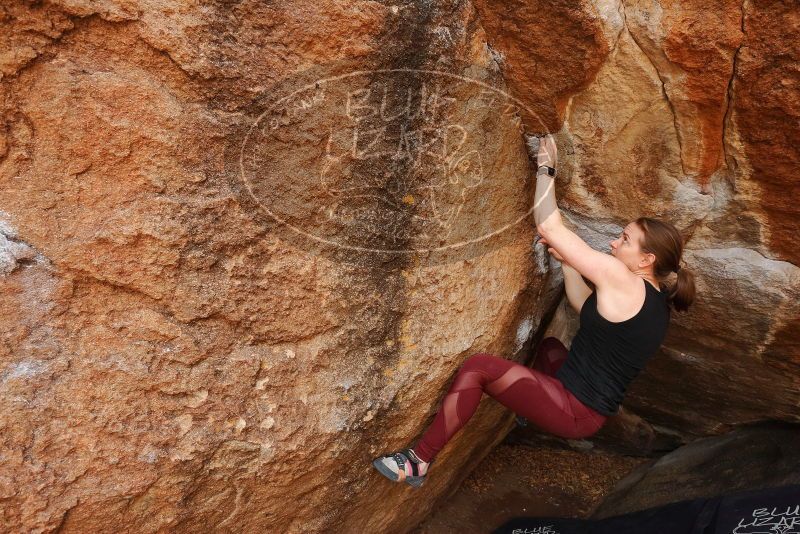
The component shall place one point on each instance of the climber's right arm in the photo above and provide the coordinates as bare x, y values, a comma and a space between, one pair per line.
577, 290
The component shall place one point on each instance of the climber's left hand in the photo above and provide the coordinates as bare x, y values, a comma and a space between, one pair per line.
548, 152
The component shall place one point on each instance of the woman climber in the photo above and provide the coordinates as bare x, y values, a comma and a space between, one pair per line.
571, 393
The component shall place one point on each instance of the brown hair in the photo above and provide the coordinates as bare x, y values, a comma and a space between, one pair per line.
664, 241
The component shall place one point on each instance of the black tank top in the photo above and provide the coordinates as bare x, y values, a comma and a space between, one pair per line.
605, 357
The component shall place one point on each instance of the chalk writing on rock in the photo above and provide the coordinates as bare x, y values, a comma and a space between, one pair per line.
394, 160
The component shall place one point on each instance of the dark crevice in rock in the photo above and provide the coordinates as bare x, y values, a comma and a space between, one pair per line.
374, 281
730, 160
663, 85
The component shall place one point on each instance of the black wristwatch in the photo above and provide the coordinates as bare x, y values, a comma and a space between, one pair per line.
550, 170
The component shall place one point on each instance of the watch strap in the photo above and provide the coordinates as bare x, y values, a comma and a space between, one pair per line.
550, 170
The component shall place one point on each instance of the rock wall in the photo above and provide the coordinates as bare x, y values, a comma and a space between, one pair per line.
198, 338
693, 116
234, 270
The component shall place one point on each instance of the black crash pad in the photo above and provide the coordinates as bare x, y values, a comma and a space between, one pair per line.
764, 511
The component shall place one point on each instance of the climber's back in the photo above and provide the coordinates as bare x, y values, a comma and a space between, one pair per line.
605, 356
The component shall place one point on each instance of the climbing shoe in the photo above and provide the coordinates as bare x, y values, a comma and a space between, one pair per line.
403, 466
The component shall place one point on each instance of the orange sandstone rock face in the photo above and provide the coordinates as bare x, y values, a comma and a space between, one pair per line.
625, 152
175, 355
549, 51
691, 45
765, 122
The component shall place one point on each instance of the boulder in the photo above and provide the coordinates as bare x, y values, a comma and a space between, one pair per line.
206, 327
752, 457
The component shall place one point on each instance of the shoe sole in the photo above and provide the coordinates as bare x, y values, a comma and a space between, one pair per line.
391, 475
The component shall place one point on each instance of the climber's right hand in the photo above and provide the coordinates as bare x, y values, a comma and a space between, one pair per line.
553, 252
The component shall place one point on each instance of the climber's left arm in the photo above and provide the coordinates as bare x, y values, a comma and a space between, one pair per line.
602, 269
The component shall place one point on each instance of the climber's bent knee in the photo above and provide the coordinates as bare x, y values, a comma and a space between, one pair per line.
508, 379
468, 379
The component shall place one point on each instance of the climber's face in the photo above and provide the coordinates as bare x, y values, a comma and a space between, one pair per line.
626, 248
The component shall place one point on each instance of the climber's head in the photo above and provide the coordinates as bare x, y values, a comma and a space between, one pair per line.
655, 247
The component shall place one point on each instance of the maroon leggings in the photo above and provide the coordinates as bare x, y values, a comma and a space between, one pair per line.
536, 394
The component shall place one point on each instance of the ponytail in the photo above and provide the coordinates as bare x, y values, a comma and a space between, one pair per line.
681, 294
